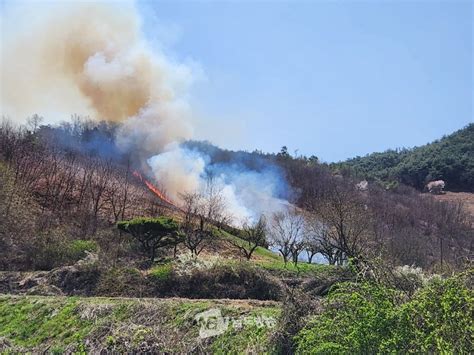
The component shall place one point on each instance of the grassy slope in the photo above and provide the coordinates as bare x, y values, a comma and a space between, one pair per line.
75, 324
273, 262
58, 324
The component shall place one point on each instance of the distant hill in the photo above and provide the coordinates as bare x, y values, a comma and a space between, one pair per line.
450, 158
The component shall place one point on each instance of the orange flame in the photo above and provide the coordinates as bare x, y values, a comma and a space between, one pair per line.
153, 188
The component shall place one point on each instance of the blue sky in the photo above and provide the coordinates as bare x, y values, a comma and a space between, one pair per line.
335, 79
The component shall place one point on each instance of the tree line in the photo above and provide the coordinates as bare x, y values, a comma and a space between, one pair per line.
450, 158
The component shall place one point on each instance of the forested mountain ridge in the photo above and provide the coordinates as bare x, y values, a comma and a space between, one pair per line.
450, 158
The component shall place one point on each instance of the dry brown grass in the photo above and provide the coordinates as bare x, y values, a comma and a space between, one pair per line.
466, 198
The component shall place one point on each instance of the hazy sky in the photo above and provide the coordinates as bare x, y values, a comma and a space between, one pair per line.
335, 78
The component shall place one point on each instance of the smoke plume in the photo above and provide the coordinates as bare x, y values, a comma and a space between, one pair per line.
93, 59
247, 193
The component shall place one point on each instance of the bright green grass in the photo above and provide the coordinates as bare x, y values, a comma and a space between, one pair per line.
29, 322
161, 271
273, 262
260, 251
64, 324
300, 268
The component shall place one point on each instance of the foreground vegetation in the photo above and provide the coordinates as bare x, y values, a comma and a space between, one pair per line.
72, 324
371, 318
356, 317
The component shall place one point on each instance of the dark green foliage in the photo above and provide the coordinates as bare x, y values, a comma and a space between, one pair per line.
149, 227
450, 159
370, 318
152, 233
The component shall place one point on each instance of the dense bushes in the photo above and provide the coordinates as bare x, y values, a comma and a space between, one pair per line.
54, 249
357, 318
90, 278
234, 281
370, 318
238, 281
439, 319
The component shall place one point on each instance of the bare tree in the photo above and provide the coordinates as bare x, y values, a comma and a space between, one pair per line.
318, 240
34, 122
287, 233
296, 248
194, 227
311, 237
98, 184
117, 193
214, 205
312, 248
203, 211
347, 217
254, 235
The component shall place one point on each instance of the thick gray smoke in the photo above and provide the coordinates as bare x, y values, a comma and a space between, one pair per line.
92, 59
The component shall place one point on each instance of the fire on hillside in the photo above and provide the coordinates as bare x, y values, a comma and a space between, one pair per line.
155, 190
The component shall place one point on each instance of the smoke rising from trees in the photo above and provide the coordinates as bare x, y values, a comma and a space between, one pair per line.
93, 59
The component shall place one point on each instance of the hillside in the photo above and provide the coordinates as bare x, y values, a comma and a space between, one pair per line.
62, 192
300, 326
450, 158
146, 206
465, 198
95, 257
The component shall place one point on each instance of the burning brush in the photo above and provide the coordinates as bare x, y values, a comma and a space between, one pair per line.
155, 190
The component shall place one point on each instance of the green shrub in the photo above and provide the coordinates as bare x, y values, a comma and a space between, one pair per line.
152, 233
77, 249
161, 272
368, 318
439, 319
357, 319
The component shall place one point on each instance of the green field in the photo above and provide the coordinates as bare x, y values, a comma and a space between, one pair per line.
74, 324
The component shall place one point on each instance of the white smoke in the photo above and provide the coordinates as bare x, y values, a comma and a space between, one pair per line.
247, 193
91, 58
178, 170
